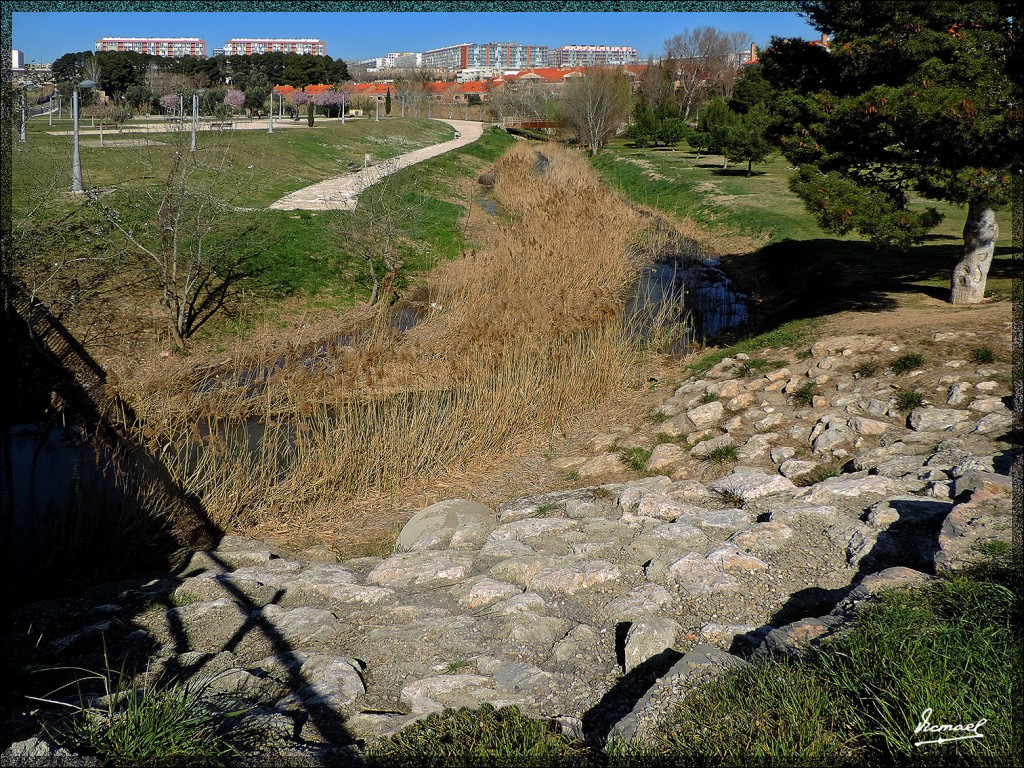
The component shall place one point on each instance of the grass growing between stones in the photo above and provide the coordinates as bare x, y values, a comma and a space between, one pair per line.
906, 363
909, 399
788, 335
805, 394
947, 646
161, 724
723, 454
818, 474
487, 736
866, 370
983, 355
635, 458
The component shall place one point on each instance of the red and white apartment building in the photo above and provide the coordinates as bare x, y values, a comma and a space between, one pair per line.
247, 46
155, 46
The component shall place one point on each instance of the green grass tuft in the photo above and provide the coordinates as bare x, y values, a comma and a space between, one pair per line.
866, 370
948, 646
486, 736
983, 355
994, 547
544, 510
816, 475
155, 724
906, 363
707, 397
909, 399
722, 454
635, 458
805, 394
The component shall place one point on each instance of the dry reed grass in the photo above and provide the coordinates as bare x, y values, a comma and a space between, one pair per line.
515, 340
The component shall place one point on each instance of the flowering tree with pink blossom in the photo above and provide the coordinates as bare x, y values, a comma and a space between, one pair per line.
235, 99
328, 99
169, 102
298, 98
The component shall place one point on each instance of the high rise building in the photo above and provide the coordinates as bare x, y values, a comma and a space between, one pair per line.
155, 46
247, 46
592, 56
485, 55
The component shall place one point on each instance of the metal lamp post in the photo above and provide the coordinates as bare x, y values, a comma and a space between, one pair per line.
24, 117
342, 107
376, 116
76, 159
271, 114
195, 117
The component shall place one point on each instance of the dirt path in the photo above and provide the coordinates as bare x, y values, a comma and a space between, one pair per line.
341, 192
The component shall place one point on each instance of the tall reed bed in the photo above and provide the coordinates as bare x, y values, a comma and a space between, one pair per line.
518, 338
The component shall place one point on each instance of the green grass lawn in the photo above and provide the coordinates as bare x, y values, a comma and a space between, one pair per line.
248, 168
312, 255
794, 259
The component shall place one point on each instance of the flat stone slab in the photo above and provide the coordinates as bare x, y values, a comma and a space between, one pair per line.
848, 487
929, 419
571, 577
749, 484
409, 569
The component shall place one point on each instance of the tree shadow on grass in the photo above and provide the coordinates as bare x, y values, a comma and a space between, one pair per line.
795, 279
739, 170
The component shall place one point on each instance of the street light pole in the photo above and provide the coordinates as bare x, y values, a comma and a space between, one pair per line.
271, 113
195, 122
376, 116
24, 117
195, 117
76, 159
342, 107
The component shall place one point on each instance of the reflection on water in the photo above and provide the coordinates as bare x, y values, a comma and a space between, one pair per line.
689, 292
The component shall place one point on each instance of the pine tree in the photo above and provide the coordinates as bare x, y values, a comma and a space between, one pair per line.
912, 99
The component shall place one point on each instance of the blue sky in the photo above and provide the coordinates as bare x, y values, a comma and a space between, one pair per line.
350, 36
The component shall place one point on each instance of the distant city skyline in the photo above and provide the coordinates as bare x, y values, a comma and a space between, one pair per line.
44, 36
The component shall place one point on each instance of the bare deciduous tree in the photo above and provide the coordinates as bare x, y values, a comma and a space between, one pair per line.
595, 105
706, 63
187, 246
382, 215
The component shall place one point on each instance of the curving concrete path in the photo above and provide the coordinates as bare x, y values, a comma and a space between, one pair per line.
341, 192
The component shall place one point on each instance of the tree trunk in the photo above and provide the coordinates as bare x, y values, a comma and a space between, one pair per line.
970, 273
750, 168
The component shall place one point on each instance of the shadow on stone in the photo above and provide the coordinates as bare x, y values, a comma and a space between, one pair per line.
599, 720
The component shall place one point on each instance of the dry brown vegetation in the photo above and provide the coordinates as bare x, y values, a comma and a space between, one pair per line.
514, 341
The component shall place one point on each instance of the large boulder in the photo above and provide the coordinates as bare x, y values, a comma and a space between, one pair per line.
455, 523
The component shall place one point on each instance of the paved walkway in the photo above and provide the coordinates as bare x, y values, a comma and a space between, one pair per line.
341, 192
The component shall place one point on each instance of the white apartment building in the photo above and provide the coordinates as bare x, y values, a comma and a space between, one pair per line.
248, 46
592, 56
172, 47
